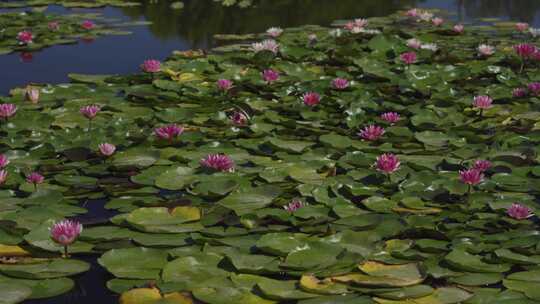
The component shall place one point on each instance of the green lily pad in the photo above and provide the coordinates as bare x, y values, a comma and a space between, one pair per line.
163, 220
49, 269
134, 263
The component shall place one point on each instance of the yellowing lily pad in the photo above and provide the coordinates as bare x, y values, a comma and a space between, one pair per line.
310, 283
12, 251
383, 275
153, 296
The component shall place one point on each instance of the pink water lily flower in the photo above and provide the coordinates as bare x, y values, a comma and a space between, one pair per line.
486, 50
54, 25
274, 32
35, 178
356, 24
4, 161
360, 22
414, 43
7, 110
482, 102
536, 55
534, 88
413, 12
391, 117
371, 132
25, 37
437, 21
88, 25
519, 92
224, 84
471, 176
349, 26
525, 50
32, 94
294, 205
408, 57
218, 162
106, 149
270, 76
522, 26
3, 176
458, 28
340, 83
66, 233
90, 111
151, 66
388, 163
519, 212
482, 165
169, 132
239, 119
311, 99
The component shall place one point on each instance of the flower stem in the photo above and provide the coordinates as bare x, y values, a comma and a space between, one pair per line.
66, 254
522, 66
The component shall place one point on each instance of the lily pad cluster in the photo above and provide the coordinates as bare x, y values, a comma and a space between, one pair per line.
252, 174
70, 3
34, 30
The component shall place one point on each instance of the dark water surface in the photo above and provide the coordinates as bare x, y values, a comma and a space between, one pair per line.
193, 27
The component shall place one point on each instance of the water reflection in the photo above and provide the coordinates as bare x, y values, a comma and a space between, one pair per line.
26, 57
522, 10
200, 19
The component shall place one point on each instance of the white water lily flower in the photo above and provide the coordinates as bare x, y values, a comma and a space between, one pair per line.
535, 32
357, 30
335, 33
486, 50
426, 16
266, 45
371, 31
414, 43
274, 32
429, 46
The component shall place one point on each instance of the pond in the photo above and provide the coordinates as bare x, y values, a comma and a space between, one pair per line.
194, 26
393, 160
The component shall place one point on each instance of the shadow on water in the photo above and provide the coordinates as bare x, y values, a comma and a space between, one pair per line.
89, 287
